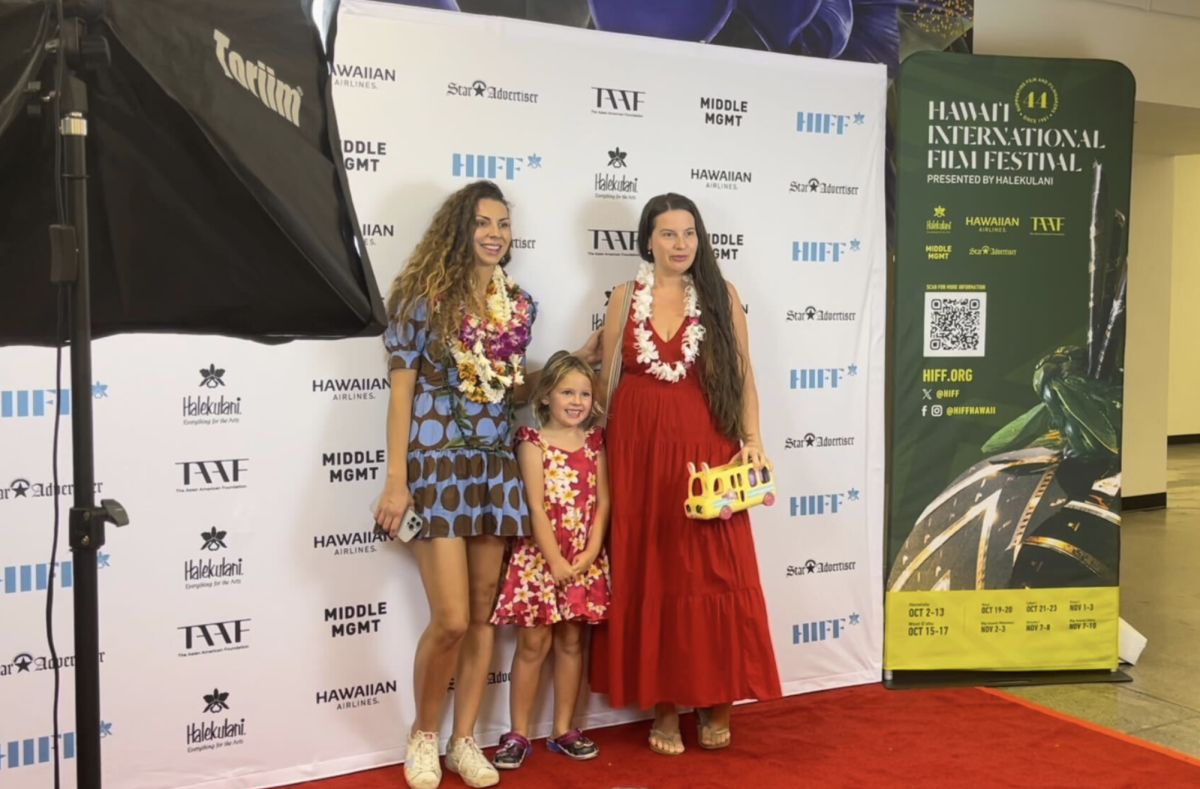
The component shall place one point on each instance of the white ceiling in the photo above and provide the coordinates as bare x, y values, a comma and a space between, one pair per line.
1179, 7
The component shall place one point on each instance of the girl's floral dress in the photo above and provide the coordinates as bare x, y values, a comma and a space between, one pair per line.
528, 594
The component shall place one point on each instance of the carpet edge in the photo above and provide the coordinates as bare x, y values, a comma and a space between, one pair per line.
1114, 733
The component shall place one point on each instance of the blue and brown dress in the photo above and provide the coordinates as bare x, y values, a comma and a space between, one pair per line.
462, 472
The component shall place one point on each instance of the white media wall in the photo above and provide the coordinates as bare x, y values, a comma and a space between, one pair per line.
254, 631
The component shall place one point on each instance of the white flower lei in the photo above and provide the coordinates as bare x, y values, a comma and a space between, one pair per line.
647, 351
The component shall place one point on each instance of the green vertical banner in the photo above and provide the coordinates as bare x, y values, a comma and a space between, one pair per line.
1010, 279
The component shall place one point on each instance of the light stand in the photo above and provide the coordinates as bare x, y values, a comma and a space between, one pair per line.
242, 207
69, 267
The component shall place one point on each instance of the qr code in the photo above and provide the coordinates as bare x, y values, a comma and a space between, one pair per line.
955, 325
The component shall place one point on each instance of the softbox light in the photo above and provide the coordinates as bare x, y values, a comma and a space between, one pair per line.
165, 166
215, 200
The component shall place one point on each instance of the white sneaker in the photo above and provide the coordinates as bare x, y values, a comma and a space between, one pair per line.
465, 758
422, 770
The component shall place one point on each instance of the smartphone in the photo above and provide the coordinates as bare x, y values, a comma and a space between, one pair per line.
410, 525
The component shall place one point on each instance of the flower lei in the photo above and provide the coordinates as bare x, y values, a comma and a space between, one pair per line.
488, 351
693, 332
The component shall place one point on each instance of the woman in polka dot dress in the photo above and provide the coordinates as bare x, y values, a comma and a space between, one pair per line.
460, 328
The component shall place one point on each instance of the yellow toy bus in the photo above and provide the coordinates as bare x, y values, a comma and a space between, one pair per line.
719, 492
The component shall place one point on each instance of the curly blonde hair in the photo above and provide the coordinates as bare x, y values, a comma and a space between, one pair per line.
441, 268
560, 365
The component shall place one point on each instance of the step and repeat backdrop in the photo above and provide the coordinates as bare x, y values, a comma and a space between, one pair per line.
255, 631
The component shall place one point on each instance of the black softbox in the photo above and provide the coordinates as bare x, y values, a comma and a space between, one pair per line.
215, 199
165, 166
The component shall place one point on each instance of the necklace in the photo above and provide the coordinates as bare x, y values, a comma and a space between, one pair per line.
647, 351
488, 350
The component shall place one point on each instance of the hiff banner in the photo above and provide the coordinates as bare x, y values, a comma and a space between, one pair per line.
1009, 319
255, 630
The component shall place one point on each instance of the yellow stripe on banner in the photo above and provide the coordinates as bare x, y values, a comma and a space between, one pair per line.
1002, 629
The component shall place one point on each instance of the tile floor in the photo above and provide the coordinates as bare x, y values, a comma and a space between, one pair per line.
1160, 597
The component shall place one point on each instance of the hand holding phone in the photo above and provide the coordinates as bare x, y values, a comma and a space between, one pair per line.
404, 523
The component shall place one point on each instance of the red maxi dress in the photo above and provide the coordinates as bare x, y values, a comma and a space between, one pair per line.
688, 621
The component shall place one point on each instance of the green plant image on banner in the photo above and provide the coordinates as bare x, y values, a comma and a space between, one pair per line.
1008, 363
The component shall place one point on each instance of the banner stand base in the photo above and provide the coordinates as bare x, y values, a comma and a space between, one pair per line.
916, 680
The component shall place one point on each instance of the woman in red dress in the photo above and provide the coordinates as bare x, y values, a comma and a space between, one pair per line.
688, 621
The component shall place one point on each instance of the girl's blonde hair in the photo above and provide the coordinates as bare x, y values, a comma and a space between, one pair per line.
560, 365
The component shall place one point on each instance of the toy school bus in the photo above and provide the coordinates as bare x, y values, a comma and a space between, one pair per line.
719, 492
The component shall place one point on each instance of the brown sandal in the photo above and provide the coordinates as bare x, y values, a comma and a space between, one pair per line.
675, 738
709, 736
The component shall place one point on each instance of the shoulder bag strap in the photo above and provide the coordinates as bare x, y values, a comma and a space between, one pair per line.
614, 373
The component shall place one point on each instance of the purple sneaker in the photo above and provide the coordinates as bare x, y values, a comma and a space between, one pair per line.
513, 750
574, 745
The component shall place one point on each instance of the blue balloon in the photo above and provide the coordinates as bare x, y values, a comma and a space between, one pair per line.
779, 22
681, 20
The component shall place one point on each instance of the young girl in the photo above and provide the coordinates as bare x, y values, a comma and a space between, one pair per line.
558, 581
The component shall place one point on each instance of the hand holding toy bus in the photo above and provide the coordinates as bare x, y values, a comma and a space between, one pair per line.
719, 492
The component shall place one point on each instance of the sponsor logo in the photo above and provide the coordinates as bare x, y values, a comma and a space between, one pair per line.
26, 578
22, 488
356, 696
363, 156
612, 243
212, 637
21, 403
493, 678
492, 167
723, 112
616, 185
823, 251
27, 663
812, 314
205, 409
727, 245
990, 251
209, 734
939, 224
1047, 226
39, 750
993, 224
815, 186
358, 466
827, 123
814, 441
350, 543
347, 75
824, 629
203, 476
353, 620
822, 377
728, 180
815, 504
481, 90
622, 102
813, 567
345, 389
210, 573
524, 243
373, 231
260, 80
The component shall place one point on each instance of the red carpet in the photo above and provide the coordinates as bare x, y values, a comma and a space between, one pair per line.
859, 737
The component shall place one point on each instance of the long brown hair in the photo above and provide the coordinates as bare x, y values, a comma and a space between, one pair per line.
721, 363
556, 369
441, 268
